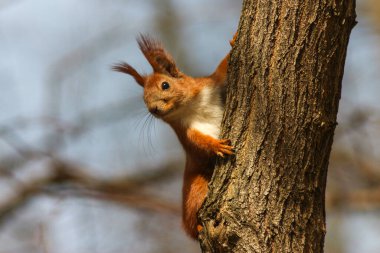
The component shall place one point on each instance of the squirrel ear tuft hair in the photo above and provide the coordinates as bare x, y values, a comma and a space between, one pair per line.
158, 58
128, 69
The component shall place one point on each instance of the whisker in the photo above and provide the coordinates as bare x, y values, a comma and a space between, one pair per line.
151, 121
142, 132
147, 143
144, 124
139, 116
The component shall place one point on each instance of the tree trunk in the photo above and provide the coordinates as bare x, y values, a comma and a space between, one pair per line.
285, 77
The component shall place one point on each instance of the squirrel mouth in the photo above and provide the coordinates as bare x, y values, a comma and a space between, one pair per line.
159, 113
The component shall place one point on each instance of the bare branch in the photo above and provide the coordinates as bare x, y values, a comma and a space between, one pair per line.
123, 190
359, 200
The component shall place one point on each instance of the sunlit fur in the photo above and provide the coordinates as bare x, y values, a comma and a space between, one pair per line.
193, 107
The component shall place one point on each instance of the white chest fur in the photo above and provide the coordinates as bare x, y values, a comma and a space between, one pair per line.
205, 112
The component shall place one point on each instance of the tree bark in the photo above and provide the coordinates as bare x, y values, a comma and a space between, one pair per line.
285, 76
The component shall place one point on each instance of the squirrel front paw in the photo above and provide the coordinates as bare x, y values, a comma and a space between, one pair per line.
223, 147
232, 42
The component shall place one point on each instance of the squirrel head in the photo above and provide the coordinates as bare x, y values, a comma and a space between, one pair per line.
167, 89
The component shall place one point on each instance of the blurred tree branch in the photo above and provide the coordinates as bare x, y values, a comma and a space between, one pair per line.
354, 200
372, 9
67, 178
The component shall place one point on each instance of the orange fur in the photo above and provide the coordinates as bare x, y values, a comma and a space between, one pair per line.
208, 144
220, 74
193, 107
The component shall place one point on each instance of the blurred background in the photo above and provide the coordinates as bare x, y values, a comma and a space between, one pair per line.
84, 168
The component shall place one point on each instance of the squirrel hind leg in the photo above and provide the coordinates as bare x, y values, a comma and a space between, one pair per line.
194, 192
190, 221
190, 229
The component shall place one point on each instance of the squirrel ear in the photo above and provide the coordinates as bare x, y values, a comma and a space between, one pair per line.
158, 58
128, 69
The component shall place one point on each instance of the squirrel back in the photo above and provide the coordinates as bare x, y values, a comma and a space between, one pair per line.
194, 108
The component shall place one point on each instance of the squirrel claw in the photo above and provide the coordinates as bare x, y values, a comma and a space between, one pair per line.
232, 42
224, 148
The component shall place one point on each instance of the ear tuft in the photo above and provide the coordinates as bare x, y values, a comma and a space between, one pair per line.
156, 55
128, 69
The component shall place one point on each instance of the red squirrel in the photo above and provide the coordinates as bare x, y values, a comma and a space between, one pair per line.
193, 107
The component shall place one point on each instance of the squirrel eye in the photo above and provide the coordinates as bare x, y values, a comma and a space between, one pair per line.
165, 85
